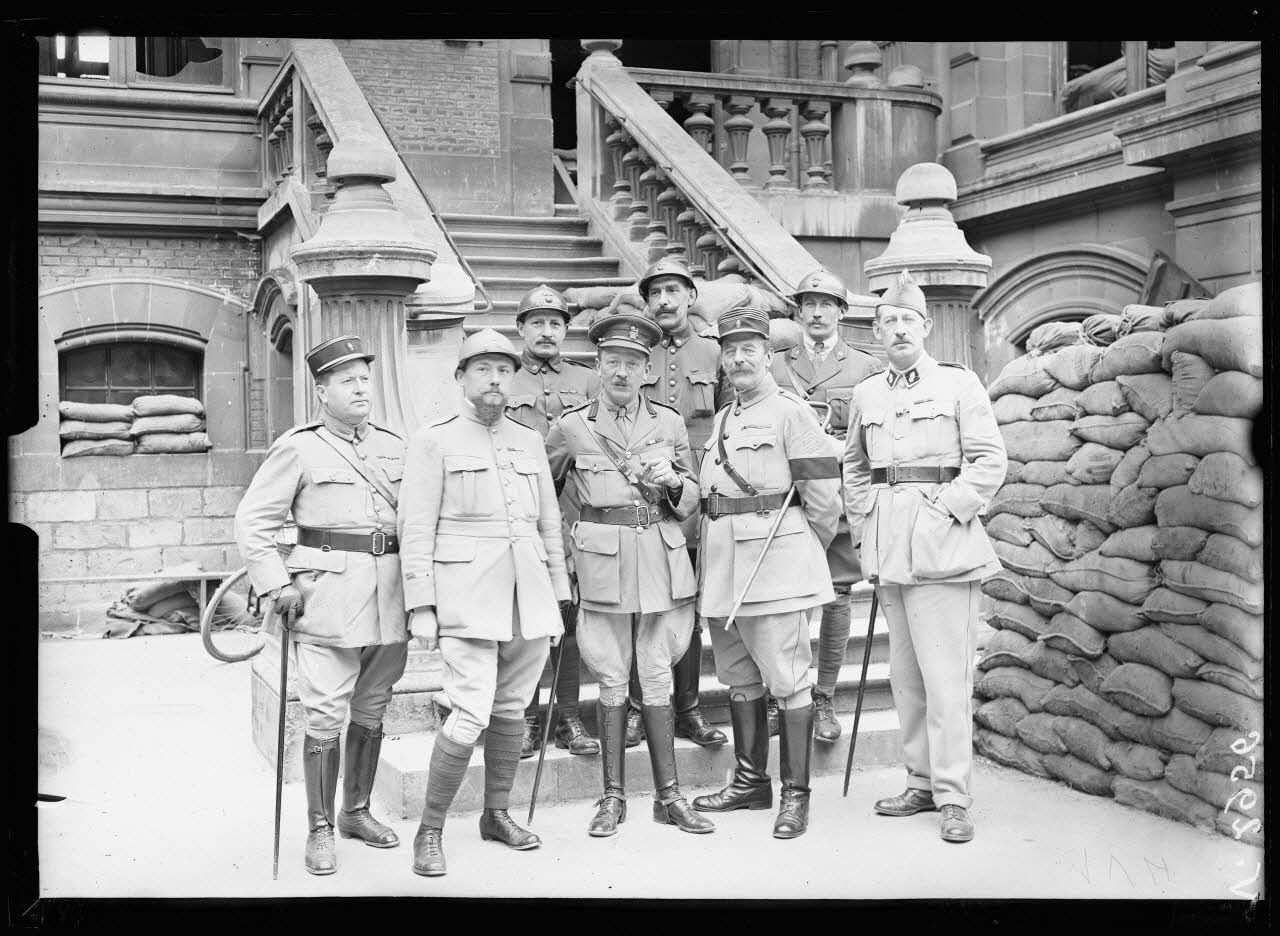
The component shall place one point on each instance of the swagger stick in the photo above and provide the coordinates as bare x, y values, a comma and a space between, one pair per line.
551, 710
862, 685
286, 624
773, 531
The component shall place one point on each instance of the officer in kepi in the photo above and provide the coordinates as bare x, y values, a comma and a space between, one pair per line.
824, 368
766, 441
340, 475
484, 578
629, 462
545, 385
923, 458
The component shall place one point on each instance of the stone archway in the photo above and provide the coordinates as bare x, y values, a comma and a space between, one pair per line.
272, 408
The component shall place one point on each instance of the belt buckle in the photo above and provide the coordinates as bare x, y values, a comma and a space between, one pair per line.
891, 474
713, 506
645, 515
379, 545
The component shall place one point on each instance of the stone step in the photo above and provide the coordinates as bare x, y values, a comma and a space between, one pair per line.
567, 211
401, 780
516, 285
508, 224
544, 269
477, 244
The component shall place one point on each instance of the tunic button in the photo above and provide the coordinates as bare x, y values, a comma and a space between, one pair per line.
673, 367
627, 454
671, 398
672, 382
726, 435
547, 392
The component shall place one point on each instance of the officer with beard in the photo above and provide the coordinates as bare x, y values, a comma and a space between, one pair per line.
482, 555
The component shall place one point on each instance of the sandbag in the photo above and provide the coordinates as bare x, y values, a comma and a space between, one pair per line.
142, 597
1078, 774
1213, 788
179, 601
1070, 366
166, 404
74, 430
1001, 715
595, 297
1157, 796
1214, 649
1046, 597
1178, 506
1242, 629
1130, 467
1172, 607
1217, 705
1230, 393
1053, 335
173, 443
1012, 471
1106, 613
1093, 672
1008, 615
1024, 375
1103, 399
1040, 441
1151, 646
1135, 761
1243, 300
183, 422
1093, 464
1133, 506
1148, 395
1140, 318
1165, 471
1176, 730
1221, 754
1227, 476
1005, 586
1008, 527
1084, 740
1044, 473
1179, 310
1080, 702
1056, 404
1012, 407
1126, 579
1005, 648
1080, 502
97, 447
718, 296
95, 412
1178, 542
1213, 585
1226, 345
1022, 500
1044, 660
1141, 689
1013, 682
1010, 752
1138, 353
1027, 560
1229, 554
1202, 435
1119, 432
1190, 374
1036, 732
1068, 633
1132, 543
1230, 678
1101, 329
1056, 534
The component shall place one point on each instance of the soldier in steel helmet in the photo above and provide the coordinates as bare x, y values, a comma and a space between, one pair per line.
824, 368
766, 441
340, 475
545, 385
628, 460
684, 373
484, 579
923, 458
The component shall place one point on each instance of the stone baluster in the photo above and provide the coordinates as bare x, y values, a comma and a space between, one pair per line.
814, 132
708, 248
699, 124
616, 141
777, 131
728, 265
651, 183
286, 138
687, 225
828, 58
863, 59
638, 213
739, 127
316, 126
670, 203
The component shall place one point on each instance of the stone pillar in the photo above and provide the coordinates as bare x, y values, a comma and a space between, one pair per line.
363, 262
434, 335
949, 272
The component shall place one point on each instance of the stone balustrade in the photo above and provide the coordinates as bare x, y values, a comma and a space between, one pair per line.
296, 139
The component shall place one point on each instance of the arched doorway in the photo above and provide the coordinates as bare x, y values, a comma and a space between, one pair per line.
270, 362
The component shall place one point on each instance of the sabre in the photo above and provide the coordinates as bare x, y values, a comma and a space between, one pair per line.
773, 530
286, 624
551, 708
862, 684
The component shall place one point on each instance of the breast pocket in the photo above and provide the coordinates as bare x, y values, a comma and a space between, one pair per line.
468, 486
597, 477
875, 438
526, 471
838, 400
571, 398
523, 409
934, 430
701, 391
338, 495
756, 458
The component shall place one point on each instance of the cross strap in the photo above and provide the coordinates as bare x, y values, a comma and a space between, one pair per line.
322, 433
737, 479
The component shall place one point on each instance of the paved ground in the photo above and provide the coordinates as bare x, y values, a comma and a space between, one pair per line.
148, 739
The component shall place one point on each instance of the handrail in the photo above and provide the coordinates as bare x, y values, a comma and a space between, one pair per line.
767, 86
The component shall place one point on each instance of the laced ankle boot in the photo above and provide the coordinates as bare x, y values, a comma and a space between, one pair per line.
612, 805
360, 764
750, 787
320, 772
669, 805
445, 773
571, 733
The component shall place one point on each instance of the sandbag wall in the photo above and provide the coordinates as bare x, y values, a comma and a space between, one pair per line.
151, 424
1127, 654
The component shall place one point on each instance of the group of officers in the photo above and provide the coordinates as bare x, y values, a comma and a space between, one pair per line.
618, 512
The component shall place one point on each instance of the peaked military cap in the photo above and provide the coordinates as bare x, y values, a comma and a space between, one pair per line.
329, 354
542, 297
904, 294
624, 330
665, 266
486, 341
820, 281
743, 320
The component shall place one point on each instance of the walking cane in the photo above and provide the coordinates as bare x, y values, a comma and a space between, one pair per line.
862, 685
286, 624
551, 710
773, 531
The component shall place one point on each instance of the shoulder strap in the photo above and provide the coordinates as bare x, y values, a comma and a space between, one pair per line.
620, 463
791, 376
323, 434
737, 479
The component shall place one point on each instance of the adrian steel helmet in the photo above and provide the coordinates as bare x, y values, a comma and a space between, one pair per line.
486, 341
542, 297
904, 294
820, 281
665, 266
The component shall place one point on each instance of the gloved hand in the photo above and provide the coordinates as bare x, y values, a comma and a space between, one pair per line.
425, 628
287, 598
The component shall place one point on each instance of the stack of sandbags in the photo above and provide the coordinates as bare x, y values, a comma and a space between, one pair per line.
1129, 612
167, 607
95, 429
167, 423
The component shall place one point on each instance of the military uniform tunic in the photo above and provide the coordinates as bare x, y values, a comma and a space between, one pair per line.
543, 389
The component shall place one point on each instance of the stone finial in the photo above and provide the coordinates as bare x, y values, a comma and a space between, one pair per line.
361, 158
906, 76
600, 46
863, 59
926, 182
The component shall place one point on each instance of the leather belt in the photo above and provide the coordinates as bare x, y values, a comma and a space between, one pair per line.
905, 474
717, 505
638, 516
377, 543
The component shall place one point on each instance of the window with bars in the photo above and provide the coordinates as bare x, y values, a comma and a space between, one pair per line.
118, 372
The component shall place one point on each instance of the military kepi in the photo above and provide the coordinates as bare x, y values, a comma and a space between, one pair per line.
744, 320
623, 330
329, 354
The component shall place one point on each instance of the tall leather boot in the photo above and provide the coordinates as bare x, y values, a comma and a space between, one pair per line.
795, 744
750, 787
689, 721
320, 771
669, 805
612, 805
361, 763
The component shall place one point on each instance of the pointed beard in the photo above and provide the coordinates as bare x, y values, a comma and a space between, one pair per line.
490, 407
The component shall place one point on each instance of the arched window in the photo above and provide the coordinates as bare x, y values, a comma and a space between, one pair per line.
270, 362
